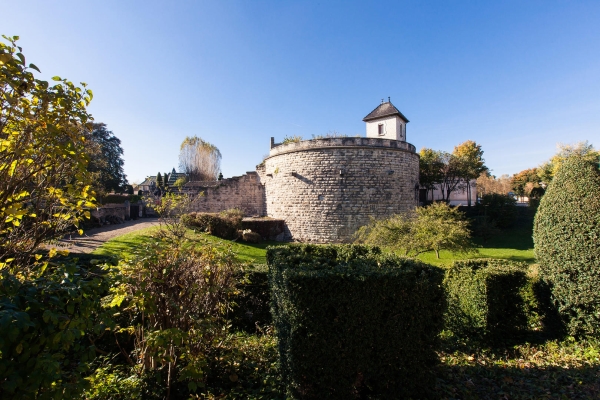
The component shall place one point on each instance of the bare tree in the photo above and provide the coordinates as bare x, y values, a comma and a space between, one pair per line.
200, 160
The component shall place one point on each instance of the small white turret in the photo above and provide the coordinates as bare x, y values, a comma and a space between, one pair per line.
386, 122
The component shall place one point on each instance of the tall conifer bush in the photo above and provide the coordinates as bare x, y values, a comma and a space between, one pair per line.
567, 243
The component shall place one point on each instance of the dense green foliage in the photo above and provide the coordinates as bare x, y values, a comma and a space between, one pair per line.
44, 182
499, 209
352, 322
567, 240
251, 306
174, 301
119, 199
48, 325
486, 299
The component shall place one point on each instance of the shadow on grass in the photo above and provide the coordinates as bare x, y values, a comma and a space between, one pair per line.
519, 381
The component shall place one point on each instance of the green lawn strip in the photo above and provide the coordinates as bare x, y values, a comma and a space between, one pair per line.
510, 244
254, 253
124, 246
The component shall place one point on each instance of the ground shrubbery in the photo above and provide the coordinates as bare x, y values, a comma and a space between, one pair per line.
225, 224
48, 324
567, 243
487, 299
353, 323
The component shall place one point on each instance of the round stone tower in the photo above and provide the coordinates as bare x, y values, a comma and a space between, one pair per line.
325, 189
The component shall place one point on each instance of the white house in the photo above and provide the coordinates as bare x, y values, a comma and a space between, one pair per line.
457, 197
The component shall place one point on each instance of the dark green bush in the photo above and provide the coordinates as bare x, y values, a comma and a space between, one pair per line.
567, 243
221, 225
353, 323
120, 198
47, 328
486, 299
252, 305
500, 209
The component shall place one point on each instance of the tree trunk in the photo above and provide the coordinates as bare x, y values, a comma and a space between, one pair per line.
437, 253
469, 194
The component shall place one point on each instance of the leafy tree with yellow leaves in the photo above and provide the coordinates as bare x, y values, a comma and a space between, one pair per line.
44, 183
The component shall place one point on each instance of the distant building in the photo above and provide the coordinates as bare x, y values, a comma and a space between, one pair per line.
457, 197
148, 186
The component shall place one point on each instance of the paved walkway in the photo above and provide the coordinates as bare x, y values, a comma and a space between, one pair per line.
94, 238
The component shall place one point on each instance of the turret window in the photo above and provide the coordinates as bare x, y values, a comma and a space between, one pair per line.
380, 129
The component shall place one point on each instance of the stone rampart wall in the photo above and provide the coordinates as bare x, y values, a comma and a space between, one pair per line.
325, 189
244, 192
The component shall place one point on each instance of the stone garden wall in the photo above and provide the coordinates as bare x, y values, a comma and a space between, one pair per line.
244, 192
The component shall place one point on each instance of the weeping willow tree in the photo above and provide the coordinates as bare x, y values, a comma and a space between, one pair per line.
200, 160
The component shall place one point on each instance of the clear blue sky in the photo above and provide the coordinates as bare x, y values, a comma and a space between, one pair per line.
517, 77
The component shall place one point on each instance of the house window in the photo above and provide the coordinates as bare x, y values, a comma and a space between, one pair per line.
380, 129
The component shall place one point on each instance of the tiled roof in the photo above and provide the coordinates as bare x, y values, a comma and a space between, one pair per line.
148, 180
384, 110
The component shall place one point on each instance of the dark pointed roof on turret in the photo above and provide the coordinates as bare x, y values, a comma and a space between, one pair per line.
386, 109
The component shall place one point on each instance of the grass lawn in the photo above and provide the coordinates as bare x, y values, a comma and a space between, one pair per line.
125, 246
512, 244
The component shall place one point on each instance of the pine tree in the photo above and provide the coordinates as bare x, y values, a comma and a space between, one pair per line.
159, 180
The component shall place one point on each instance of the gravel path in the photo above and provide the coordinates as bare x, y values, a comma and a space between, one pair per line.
94, 238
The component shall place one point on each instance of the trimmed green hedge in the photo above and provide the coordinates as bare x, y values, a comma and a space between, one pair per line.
220, 225
489, 299
353, 323
567, 243
251, 306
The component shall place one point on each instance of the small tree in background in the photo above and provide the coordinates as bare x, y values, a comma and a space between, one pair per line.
431, 164
487, 184
566, 236
442, 227
432, 228
180, 182
106, 159
525, 181
469, 156
200, 160
159, 180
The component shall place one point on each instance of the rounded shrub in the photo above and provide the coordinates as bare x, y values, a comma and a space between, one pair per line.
567, 244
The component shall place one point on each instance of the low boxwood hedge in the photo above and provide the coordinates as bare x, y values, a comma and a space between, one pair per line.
488, 299
353, 323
